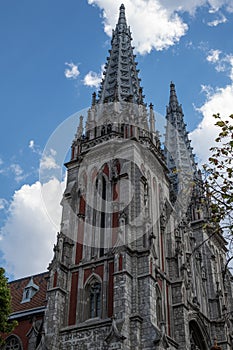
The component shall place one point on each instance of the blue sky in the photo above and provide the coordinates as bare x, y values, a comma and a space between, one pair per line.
50, 63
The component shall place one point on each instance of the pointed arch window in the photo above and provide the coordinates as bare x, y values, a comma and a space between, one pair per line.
102, 186
95, 300
99, 215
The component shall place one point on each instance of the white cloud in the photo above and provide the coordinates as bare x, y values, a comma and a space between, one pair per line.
14, 169
31, 144
223, 63
191, 6
219, 101
29, 228
213, 56
72, 72
93, 79
156, 24
18, 172
48, 161
208, 90
34, 148
216, 22
230, 60
163, 27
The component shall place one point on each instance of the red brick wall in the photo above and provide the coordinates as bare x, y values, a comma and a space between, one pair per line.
24, 326
73, 299
110, 289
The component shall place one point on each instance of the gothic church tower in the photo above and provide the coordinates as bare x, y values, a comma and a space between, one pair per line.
127, 272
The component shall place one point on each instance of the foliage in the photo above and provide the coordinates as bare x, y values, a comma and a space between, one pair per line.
5, 305
219, 182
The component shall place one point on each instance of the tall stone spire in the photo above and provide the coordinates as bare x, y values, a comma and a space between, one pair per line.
179, 156
121, 82
173, 101
122, 18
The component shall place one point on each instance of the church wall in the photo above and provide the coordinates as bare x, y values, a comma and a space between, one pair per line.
154, 280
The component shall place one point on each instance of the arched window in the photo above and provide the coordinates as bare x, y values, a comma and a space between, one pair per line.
197, 339
92, 298
95, 300
99, 215
103, 215
12, 343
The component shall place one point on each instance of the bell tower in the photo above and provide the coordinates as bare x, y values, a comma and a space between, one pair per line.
120, 276
107, 279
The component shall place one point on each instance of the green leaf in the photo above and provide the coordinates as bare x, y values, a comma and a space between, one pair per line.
220, 123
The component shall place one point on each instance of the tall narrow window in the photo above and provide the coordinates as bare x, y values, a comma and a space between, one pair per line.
94, 220
103, 216
95, 300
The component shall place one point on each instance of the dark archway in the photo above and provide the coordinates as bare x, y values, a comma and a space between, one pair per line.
197, 339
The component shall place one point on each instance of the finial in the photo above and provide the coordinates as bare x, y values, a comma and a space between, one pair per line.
173, 101
80, 128
152, 118
93, 99
140, 99
122, 19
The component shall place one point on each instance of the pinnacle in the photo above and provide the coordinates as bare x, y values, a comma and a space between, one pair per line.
121, 81
173, 101
177, 144
122, 18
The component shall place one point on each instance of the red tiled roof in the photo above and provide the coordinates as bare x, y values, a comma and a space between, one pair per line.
17, 288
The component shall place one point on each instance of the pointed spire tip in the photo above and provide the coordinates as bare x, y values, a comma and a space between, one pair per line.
122, 19
113, 72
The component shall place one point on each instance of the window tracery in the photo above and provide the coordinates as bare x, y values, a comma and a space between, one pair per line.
13, 343
93, 297
95, 300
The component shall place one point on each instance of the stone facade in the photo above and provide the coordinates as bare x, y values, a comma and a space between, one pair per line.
134, 265
140, 270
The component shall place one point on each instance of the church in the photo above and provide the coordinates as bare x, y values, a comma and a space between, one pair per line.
135, 267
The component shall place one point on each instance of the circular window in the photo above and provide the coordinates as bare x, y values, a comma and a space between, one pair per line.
12, 343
